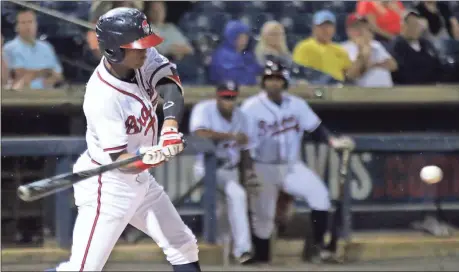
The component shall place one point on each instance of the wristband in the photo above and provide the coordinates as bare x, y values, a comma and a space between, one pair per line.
141, 166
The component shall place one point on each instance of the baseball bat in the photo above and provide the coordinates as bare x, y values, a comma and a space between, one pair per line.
48, 186
337, 216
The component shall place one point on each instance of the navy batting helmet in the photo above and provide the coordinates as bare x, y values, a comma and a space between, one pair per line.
122, 28
275, 69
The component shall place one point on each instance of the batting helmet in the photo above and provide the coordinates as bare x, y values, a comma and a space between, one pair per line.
122, 28
275, 69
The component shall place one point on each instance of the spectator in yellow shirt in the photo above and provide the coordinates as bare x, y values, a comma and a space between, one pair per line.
319, 52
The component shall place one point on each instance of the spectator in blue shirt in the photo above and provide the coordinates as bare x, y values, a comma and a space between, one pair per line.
33, 62
233, 60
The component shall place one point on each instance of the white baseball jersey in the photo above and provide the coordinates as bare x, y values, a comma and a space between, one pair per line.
277, 130
121, 115
205, 115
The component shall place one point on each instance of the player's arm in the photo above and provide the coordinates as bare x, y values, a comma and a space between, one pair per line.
152, 157
171, 140
312, 124
214, 135
201, 127
174, 103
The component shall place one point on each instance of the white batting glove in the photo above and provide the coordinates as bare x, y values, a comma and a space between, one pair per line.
171, 141
152, 155
342, 142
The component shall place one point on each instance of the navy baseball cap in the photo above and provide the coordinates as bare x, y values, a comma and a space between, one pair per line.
323, 16
228, 90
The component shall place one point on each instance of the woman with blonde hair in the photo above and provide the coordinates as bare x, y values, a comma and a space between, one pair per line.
272, 43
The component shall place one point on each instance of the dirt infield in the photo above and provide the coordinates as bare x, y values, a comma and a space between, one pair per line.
425, 264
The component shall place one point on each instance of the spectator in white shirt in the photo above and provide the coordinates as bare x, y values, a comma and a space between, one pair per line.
380, 64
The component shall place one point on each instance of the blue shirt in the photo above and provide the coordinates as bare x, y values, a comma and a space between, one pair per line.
40, 55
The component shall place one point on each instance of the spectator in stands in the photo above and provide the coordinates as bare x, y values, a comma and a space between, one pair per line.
175, 45
440, 22
233, 60
98, 8
33, 62
272, 43
379, 63
417, 58
384, 17
5, 71
319, 52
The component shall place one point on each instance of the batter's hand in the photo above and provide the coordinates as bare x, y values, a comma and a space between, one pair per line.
252, 185
342, 142
171, 142
152, 155
241, 138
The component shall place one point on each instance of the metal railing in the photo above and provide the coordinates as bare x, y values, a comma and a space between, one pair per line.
183, 189
66, 148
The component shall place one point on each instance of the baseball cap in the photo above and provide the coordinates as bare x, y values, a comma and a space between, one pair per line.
354, 18
229, 89
323, 16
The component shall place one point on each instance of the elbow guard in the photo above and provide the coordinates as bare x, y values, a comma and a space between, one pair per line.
174, 103
321, 134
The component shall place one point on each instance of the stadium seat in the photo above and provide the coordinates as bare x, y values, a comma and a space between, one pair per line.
449, 47
256, 20
349, 6
293, 39
189, 21
254, 6
275, 6
291, 8
333, 6
302, 23
341, 26
234, 7
217, 22
191, 70
208, 6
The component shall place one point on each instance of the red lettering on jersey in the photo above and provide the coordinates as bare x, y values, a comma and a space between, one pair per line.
286, 124
262, 128
131, 125
145, 120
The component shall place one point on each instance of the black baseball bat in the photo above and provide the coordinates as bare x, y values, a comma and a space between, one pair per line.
48, 186
337, 221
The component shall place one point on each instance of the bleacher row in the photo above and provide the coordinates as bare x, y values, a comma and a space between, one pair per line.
203, 26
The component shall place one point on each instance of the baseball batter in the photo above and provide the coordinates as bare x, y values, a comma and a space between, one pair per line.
119, 105
279, 121
221, 121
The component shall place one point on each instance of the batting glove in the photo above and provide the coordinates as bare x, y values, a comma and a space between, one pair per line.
342, 142
152, 155
171, 142
252, 185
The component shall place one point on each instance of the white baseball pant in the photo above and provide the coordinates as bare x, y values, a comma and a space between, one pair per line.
107, 203
295, 179
236, 204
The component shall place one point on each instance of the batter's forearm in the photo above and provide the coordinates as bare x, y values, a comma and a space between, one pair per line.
213, 135
321, 134
131, 168
246, 160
